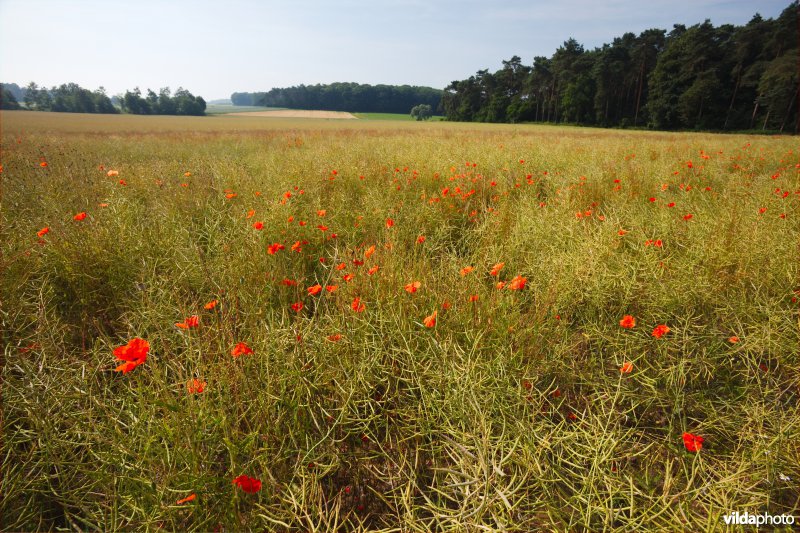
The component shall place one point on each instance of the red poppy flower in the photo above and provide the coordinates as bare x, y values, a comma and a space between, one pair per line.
134, 354
693, 443
288, 282
113, 173
210, 305
190, 498
430, 320
43, 164
518, 283
315, 289
733, 340
44, 231
627, 322
297, 307
191, 322
466, 270
241, 348
687, 216
413, 286
321, 212
272, 249
473, 298
80, 216
389, 222
348, 277
250, 485
357, 306
336, 337
420, 239
626, 367
369, 251
331, 288
496, 269
322, 228
621, 232
258, 225
660, 330
372, 270
195, 386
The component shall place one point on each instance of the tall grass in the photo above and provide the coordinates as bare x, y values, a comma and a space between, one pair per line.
511, 413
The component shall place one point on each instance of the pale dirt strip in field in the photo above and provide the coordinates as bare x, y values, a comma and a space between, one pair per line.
296, 113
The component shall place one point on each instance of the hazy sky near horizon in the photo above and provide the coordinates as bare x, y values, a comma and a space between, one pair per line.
214, 48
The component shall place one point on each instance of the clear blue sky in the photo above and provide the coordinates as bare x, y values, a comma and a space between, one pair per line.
213, 48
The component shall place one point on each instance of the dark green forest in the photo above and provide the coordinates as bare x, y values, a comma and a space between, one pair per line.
164, 103
72, 98
701, 77
67, 98
351, 97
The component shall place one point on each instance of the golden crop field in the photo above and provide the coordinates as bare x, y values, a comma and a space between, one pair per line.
245, 323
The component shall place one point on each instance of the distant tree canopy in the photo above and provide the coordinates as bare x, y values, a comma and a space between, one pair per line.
67, 98
164, 103
351, 97
72, 98
702, 77
16, 91
7, 99
421, 112
245, 98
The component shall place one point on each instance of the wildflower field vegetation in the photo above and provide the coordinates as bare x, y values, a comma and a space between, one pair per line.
248, 324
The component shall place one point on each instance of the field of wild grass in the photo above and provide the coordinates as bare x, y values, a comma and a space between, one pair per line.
252, 324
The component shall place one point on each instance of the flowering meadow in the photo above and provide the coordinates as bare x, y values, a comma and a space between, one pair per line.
259, 324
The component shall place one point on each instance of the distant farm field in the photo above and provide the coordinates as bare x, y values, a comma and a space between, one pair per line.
392, 116
298, 113
246, 323
216, 109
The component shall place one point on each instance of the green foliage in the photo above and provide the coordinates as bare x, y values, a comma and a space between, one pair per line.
351, 97
699, 77
164, 103
421, 112
7, 98
67, 98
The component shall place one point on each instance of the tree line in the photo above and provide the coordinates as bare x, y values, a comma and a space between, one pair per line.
352, 97
72, 98
701, 77
164, 103
67, 97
